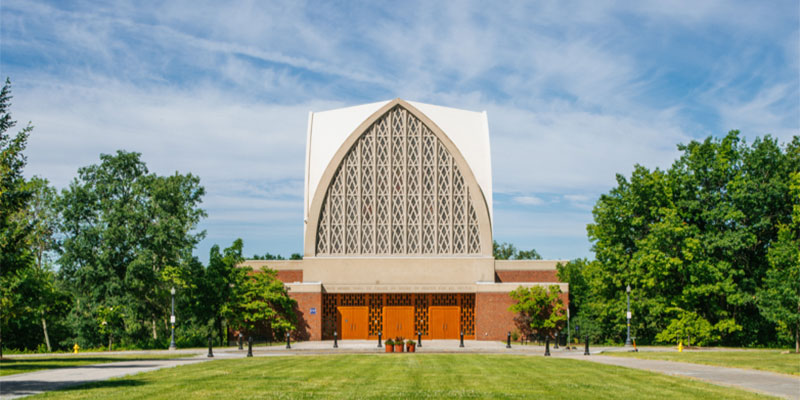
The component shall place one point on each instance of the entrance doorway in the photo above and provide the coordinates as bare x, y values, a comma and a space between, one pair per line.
398, 321
352, 322
444, 322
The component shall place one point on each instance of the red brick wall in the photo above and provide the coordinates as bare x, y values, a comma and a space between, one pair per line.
526, 276
309, 327
290, 275
493, 321
492, 318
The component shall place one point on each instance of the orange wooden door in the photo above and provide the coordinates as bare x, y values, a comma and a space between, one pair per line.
352, 322
444, 322
398, 321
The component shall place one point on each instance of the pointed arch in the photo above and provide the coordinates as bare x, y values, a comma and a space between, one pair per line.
398, 186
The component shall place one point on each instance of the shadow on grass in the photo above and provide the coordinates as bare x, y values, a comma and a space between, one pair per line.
26, 388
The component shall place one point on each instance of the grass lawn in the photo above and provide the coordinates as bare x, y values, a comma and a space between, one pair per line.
765, 360
406, 376
11, 365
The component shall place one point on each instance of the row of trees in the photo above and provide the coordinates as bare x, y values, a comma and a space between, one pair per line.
95, 263
710, 247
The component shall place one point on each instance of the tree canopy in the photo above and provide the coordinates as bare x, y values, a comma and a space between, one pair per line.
696, 243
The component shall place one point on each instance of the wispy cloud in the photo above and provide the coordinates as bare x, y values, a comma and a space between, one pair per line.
575, 93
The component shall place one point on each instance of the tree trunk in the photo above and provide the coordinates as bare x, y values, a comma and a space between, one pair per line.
46, 337
110, 341
155, 333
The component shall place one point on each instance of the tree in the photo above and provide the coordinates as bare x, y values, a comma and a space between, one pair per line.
539, 310
223, 279
507, 251
14, 194
14, 197
42, 243
123, 227
692, 242
262, 299
573, 273
779, 297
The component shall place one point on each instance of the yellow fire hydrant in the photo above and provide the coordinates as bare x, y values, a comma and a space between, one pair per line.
680, 347
75, 348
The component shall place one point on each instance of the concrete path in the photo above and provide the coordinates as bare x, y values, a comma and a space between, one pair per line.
20, 385
785, 386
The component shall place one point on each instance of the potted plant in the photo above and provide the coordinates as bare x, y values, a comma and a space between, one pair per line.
398, 344
411, 346
389, 345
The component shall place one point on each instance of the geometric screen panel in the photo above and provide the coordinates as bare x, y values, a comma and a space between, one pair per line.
398, 191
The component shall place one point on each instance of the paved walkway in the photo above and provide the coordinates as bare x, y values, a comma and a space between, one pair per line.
27, 384
774, 384
13, 386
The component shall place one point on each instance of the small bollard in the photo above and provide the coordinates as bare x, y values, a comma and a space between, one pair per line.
240, 341
335, 341
379, 340
556, 346
249, 346
508, 341
419, 338
547, 346
210, 353
586, 352
288, 346
462, 339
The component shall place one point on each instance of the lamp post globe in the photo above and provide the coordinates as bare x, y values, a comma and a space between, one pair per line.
628, 315
172, 345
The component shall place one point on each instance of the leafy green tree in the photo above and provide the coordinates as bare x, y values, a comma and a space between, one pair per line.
46, 295
14, 193
573, 273
540, 310
123, 227
779, 297
14, 197
507, 251
223, 279
262, 299
691, 241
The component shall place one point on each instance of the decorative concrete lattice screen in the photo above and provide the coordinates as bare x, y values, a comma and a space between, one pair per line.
398, 191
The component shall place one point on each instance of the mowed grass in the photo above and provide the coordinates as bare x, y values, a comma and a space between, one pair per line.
399, 376
765, 360
10, 365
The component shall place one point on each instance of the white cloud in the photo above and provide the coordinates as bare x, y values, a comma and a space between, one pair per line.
529, 200
575, 93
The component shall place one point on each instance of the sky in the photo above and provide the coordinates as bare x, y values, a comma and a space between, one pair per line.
575, 93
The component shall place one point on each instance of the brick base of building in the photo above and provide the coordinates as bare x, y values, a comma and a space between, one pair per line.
309, 316
493, 321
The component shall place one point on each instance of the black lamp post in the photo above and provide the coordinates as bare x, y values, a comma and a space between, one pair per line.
172, 345
628, 300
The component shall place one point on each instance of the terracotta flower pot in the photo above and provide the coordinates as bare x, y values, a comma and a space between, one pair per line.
398, 348
411, 348
389, 348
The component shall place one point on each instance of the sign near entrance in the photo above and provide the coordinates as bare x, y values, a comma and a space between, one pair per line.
313, 310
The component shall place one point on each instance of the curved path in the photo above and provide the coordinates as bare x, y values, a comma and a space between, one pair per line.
27, 384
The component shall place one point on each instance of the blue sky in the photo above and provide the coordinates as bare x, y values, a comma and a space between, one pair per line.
574, 94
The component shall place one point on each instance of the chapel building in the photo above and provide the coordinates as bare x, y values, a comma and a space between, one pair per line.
398, 228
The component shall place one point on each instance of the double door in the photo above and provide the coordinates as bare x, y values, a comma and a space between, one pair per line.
352, 322
444, 322
398, 321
